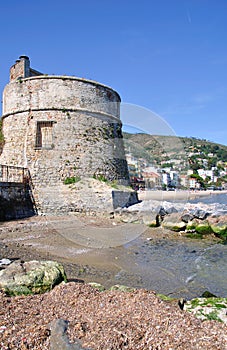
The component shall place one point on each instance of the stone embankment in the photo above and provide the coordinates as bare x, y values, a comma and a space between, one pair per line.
192, 219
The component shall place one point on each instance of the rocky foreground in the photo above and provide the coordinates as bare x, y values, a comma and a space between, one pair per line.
104, 320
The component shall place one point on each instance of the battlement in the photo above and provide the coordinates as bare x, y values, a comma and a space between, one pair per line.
21, 69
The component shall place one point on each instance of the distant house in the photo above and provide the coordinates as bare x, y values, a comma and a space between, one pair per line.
184, 181
152, 179
135, 165
193, 183
206, 173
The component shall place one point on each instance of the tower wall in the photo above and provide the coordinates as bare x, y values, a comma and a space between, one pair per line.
62, 127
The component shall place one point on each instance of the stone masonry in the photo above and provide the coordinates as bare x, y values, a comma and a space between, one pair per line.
61, 127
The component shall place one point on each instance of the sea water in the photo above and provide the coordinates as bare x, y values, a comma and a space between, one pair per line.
220, 198
181, 267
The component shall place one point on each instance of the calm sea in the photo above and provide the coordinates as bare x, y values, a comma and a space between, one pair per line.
213, 198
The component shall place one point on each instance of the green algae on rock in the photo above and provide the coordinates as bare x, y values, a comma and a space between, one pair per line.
208, 308
33, 277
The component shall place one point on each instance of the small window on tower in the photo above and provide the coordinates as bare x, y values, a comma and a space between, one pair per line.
44, 135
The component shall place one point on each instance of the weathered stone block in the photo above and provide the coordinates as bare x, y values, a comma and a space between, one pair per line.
31, 277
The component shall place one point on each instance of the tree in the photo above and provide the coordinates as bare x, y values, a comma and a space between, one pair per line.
199, 179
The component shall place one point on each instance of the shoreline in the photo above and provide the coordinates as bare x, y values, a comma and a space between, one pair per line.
41, 238
176, 195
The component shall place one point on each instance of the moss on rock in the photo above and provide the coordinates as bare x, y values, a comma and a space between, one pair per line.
208, 308
33, 277
203, 228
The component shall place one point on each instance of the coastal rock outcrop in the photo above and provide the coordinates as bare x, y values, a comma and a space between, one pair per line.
208, 308
174, 222
31, 277
219, 225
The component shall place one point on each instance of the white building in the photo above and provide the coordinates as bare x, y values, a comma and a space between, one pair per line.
175, 180
205, 173
166, 179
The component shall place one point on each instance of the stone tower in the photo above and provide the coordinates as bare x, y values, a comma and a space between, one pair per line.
61, 127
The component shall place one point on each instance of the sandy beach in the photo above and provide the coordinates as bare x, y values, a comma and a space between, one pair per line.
176, 195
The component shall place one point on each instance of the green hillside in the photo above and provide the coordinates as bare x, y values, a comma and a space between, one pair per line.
177, 152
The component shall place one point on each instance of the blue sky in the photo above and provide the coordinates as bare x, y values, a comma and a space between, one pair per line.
167, 57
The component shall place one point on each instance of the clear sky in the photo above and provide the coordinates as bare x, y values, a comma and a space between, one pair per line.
166, 56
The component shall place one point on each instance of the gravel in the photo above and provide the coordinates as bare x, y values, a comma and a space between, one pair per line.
105, 320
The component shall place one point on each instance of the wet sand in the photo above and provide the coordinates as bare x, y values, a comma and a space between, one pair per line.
144, 257
71, 241
52, 238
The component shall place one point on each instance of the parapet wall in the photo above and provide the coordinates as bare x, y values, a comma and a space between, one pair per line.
59, 92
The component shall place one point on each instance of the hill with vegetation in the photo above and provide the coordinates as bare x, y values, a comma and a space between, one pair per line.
176, 152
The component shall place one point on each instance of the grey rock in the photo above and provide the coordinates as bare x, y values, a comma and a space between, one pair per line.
161, 211
173, 222
59, 339
199, 214
171, 210
186, 217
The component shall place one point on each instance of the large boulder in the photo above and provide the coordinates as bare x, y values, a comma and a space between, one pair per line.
186, 217
31, 277
152, 219
173, 222
199, 214
203, 228
219, 226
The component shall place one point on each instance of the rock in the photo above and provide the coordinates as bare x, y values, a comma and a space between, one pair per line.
208, 294
199, 214
208, 308
191, 225
122, 288
219, 226
152, 219
186, 217
5, 262
59, 339
173, 222
31, 277
161, 211
98, 286
203, 228
171, 210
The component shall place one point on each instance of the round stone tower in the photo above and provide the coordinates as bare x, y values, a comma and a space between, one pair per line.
61, 127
